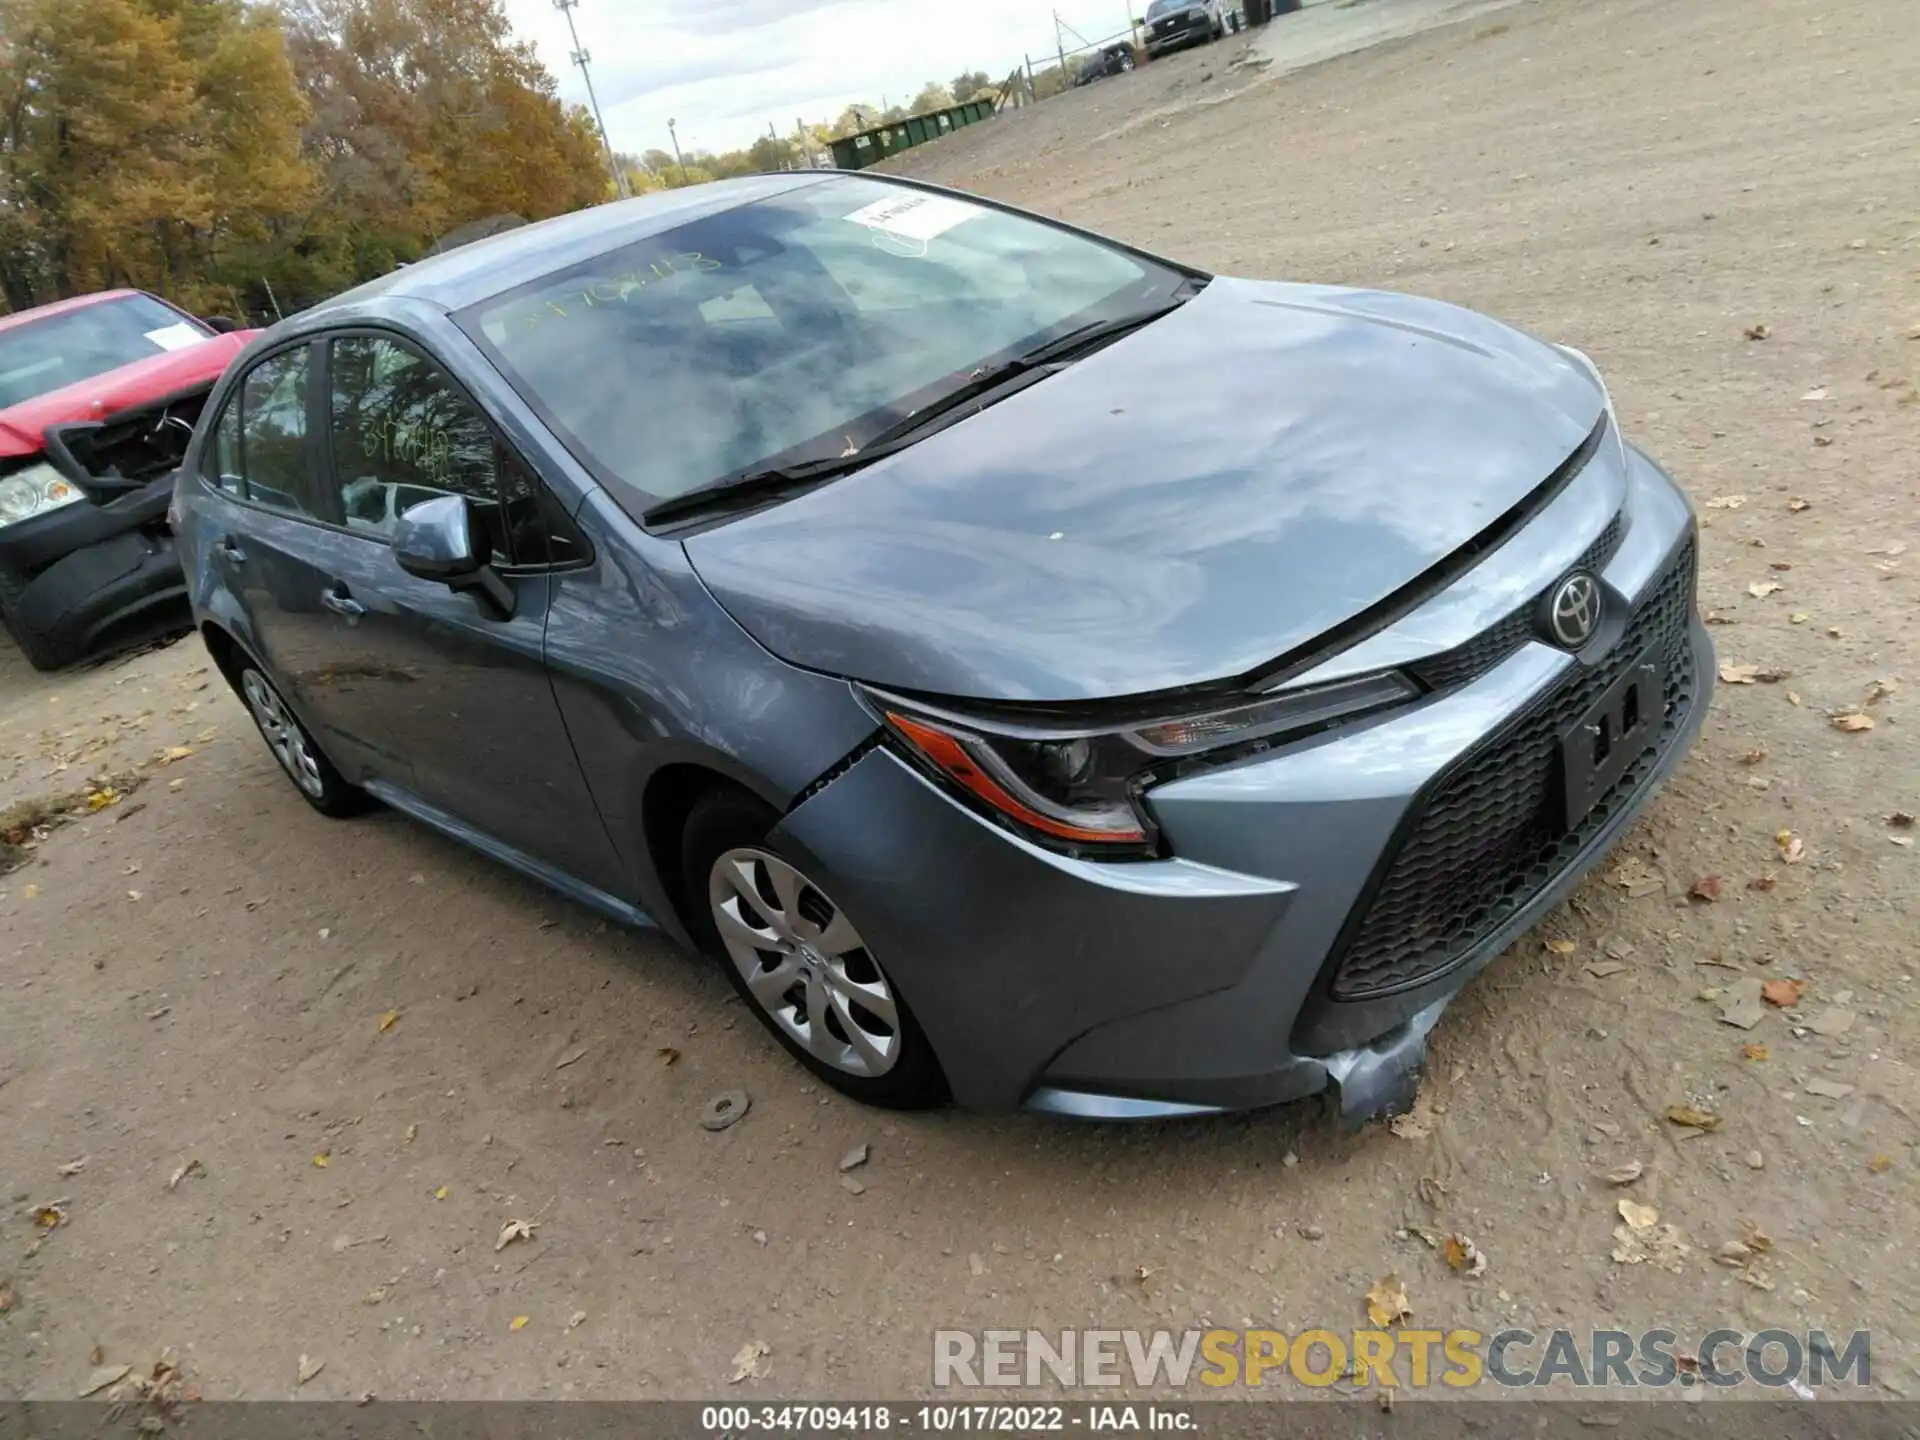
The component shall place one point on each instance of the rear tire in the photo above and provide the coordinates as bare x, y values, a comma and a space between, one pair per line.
813, 983
303, 762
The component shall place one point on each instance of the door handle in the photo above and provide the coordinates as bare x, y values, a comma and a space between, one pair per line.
336, 599
230, 548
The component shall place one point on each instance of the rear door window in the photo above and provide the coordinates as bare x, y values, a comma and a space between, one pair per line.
259, 449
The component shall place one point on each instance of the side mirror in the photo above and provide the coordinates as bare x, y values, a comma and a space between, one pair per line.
434, 541
220, 324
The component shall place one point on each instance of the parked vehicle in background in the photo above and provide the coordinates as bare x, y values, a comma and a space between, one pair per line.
1112, 60
1175, 24
98, 398
818, 568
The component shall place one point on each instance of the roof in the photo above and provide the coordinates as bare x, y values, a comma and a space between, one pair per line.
458, 278
60, 307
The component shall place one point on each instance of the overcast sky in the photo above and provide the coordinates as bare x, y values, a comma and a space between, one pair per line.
725, 68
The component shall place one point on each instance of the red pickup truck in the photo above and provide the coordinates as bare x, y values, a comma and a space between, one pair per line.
98, 398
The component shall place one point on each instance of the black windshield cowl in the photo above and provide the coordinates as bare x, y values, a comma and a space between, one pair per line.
983, 387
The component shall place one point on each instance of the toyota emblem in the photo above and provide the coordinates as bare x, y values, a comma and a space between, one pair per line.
1573, 614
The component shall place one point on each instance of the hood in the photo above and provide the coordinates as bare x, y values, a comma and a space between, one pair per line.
171, 372
1185, 506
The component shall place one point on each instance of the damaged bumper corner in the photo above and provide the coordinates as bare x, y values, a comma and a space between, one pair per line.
89, 577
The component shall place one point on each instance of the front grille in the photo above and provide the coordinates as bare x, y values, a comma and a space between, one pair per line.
1486, 839
1473, 659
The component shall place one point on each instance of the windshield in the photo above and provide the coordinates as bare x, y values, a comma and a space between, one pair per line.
1168, 7
43, 355
796, 326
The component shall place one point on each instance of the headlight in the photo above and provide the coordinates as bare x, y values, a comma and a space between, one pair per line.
34, 491
1080, 789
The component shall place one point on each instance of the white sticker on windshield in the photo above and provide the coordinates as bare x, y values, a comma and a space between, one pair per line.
175, 337
914, 217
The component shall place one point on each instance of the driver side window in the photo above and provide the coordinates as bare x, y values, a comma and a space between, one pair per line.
401, 435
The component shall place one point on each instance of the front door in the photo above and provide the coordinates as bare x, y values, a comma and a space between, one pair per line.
457, 692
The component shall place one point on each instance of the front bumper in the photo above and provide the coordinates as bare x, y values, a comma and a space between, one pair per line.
1186, 32
90, 577
1206, 981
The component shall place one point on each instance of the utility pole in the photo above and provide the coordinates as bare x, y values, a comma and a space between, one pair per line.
1060, 44
580, 57
679, 164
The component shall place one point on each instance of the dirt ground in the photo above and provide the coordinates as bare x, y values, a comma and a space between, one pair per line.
199, 977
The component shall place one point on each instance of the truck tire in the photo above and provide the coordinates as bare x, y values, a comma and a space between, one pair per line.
40, 654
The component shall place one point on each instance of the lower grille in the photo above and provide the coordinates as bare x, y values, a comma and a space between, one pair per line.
1486, 838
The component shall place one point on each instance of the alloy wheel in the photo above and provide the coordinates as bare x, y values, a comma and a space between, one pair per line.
804, 963
283, 734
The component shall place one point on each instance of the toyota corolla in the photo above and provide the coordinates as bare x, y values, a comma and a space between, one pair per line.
843, 576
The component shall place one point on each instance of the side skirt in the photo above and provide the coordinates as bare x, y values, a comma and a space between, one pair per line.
435, 818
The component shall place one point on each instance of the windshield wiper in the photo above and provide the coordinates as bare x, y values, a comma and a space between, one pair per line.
769, 482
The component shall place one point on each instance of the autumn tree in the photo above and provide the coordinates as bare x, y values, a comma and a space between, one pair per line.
932, 97
142, 142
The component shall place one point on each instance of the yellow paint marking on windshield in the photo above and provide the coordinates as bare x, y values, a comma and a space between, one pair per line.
620, 289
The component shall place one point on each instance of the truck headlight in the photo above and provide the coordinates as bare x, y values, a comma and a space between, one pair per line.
34, 491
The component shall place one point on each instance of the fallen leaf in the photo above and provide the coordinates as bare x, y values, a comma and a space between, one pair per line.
323, 1159
1880, 1163
571, 1056
1799, 617
103, 797
1878, 690
514, 1230
102, 1377
1464, 1256
1792, 848
668, 1054
856, 1157
73, 1167
1757, 332
1625, 1174
388, 1020
1601, 969
1755, 1239
1760, 589
29, 891
310, 1368
192, 1167
1726, 502
1633, 875
49, 1217
441, 1193
1707, 887
1899, 819
1754, 756
750, 1363
1387, 1302
1796, 504
174, 753
1783, 994
519, 1322
1691, 1119
1828, 1089
1853, 723
1793, 697
1561, 947
1756, 1053
1638, 1216
576, 1320
1819, 392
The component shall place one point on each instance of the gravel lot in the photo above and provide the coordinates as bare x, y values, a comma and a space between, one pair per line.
198, 976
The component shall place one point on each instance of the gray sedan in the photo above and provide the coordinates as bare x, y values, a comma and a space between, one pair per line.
844, 577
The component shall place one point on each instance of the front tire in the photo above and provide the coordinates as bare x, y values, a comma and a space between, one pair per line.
40, 654
312, 774
799, 961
